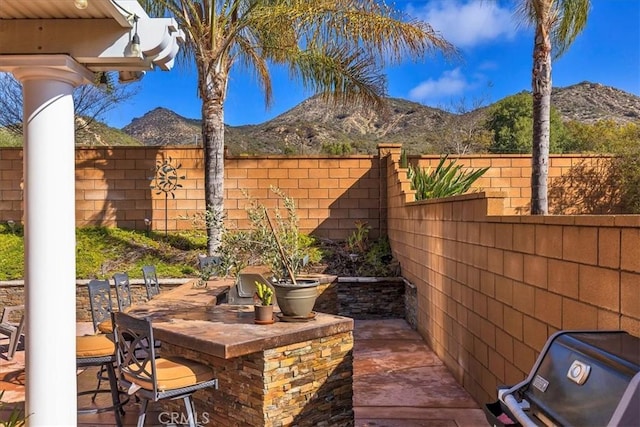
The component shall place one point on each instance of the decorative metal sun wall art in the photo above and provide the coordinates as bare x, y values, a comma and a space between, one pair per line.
166, 180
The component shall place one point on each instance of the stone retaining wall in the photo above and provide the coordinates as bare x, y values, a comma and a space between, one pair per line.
12, 293
371, 297
355, 297
411, 304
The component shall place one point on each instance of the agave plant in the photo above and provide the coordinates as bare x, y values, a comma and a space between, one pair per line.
443, 181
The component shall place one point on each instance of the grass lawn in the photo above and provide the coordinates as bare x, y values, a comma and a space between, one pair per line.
102, 251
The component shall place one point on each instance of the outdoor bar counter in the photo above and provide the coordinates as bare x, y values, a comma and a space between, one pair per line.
285, 373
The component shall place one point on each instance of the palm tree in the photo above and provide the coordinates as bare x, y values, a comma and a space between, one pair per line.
333, 47
557, 24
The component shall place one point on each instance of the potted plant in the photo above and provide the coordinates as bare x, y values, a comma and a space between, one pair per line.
264, 304
275, 241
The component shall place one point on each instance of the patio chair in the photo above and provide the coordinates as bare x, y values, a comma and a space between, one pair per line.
150, 281
123, 291
153, 377
12, 326
98, 350
123, 295
100, 304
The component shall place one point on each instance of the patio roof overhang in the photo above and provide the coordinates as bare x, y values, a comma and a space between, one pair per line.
99, 37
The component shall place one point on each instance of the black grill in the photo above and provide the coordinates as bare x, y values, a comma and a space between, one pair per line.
581, 378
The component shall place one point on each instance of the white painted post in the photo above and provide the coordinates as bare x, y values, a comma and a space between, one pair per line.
50, 253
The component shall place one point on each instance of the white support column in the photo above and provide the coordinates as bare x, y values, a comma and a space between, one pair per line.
50, 252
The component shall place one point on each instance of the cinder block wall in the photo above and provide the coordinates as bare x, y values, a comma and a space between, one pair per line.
113, 186
491, 288
331, 193
577, 183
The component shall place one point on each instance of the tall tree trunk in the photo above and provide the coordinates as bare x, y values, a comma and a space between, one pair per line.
541, 88
213, 94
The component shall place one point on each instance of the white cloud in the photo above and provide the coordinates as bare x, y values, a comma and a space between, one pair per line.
467, 23
450, 83
488, 65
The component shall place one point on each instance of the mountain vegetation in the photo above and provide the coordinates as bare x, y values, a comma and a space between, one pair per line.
602, 118
314, 126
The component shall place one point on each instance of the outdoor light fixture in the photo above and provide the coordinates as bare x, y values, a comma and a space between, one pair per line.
130, 76
135, 50
103, 81
81, 4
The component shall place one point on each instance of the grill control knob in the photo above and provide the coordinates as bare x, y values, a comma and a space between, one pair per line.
578, 372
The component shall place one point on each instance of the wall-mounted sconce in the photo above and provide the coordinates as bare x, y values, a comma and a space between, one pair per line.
81, 4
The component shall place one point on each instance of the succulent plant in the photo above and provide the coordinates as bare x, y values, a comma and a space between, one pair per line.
264, 293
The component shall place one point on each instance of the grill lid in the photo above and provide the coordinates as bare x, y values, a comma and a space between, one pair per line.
585, 379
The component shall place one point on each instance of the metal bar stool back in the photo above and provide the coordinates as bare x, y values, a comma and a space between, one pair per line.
98, 350
153, 377
123, 291
151, 281
100, 304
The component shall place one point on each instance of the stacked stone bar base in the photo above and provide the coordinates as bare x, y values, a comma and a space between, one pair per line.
307, 383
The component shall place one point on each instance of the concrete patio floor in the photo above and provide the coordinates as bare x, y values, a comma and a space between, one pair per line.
398, 382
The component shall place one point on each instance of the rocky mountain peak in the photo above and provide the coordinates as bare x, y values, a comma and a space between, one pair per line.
314, 122
162, 126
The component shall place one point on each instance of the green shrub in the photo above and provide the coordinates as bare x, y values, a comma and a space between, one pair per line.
378, 261
337, 148
625, 168
263, 245
443, 181
404, 162
358, 240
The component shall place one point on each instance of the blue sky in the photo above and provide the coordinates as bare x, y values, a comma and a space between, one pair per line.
495, 62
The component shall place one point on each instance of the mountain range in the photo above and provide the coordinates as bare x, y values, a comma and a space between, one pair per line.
313, 123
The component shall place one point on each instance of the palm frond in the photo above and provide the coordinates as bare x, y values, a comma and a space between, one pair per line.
572, 20
340, 74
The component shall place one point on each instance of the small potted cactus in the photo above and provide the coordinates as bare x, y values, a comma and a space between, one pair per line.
264, 304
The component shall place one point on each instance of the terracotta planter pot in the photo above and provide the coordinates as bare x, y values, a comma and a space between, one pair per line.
296, 301
263, 314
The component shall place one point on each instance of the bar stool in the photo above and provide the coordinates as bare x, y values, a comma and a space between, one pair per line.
154, 377
123, 291
151, 281
99, 350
